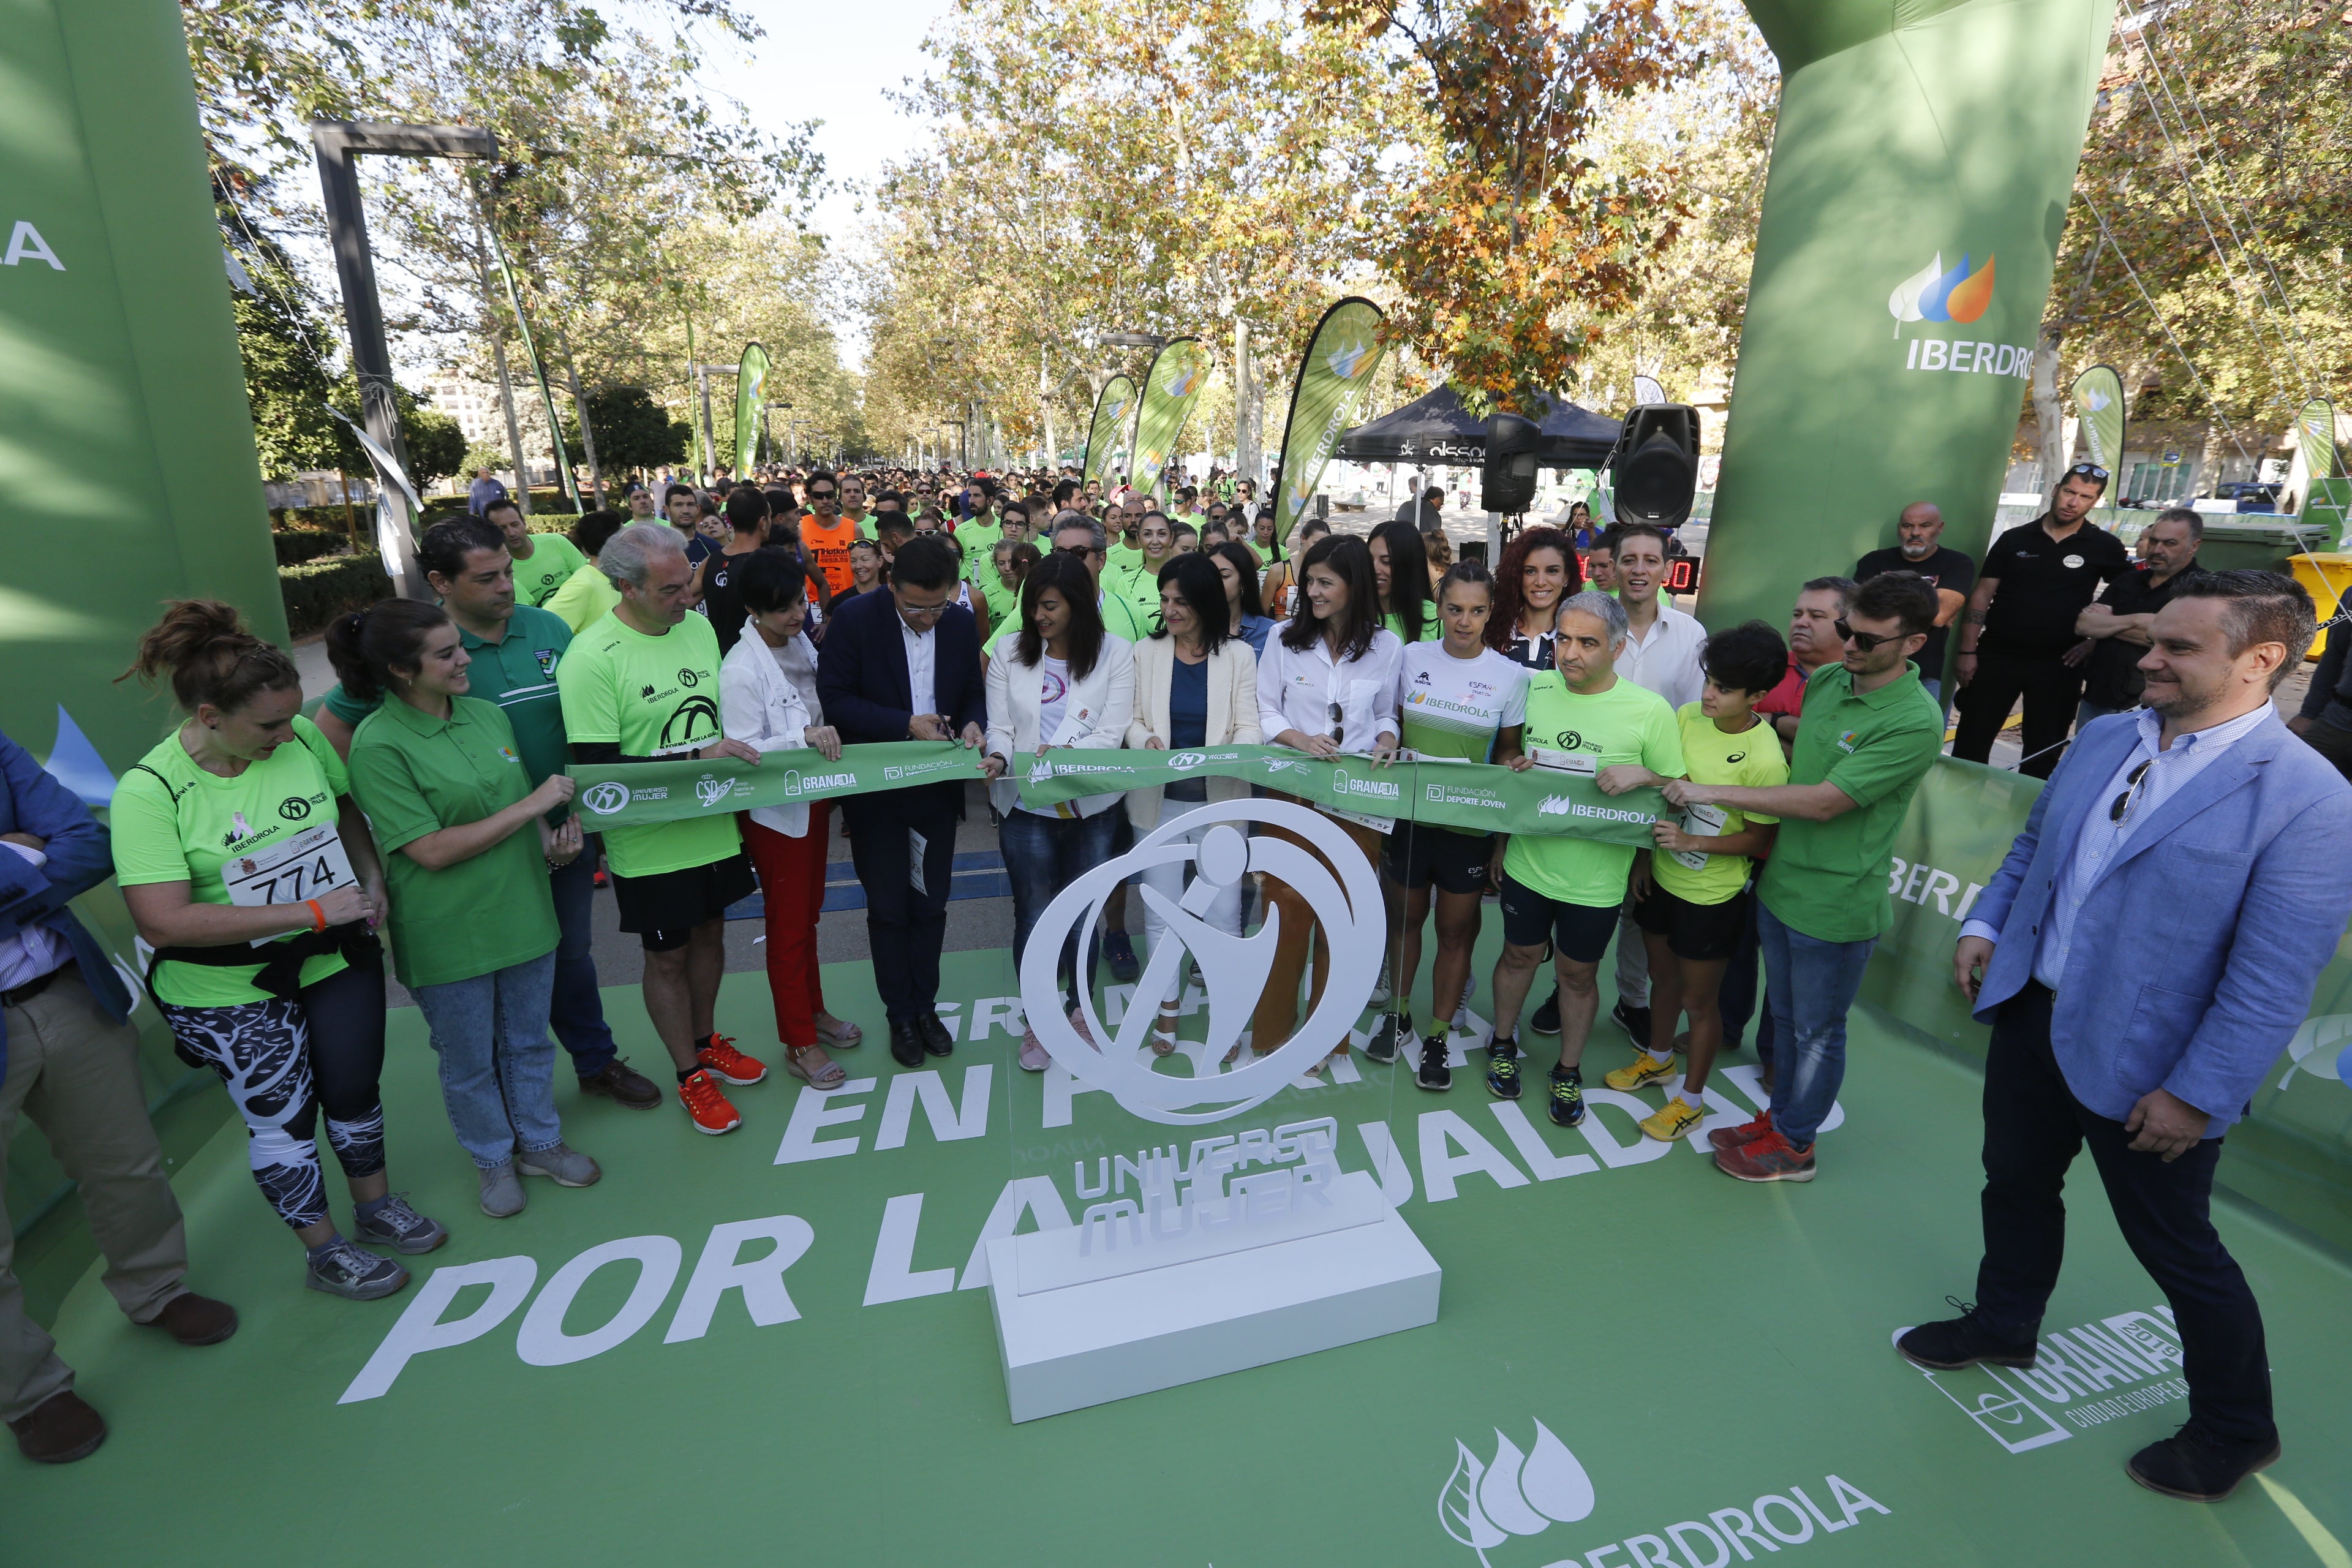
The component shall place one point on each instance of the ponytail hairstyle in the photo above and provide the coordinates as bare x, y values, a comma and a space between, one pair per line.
366, 646
1470, 571
203, 648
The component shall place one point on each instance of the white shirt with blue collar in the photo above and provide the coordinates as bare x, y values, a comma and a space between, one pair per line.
2104, 839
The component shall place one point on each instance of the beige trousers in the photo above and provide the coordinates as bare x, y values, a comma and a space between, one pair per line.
74, 1073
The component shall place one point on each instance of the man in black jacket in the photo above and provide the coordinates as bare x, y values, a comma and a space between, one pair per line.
904, 665
2325, 718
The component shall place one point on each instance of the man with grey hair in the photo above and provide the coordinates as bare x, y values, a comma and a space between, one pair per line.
642, 685
2115, 628
1583, 719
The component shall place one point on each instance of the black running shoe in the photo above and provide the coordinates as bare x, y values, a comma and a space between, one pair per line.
1547, 1017
1392, 1037
1634, 1021
1503, 1045
1433, 1072
1503, 1076
1567, 1097
1120, 954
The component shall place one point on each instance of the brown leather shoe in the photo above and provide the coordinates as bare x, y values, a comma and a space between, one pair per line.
195, 1319
61, 1430
616, 1079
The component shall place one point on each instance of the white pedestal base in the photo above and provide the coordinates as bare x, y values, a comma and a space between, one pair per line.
1105, 1339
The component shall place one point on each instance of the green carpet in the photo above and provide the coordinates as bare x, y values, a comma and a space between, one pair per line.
1714, 1357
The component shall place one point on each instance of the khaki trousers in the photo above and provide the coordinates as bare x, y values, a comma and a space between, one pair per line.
75, 1072
1277, 1005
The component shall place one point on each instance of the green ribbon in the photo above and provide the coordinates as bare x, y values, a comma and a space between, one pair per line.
634, 795
1469, 796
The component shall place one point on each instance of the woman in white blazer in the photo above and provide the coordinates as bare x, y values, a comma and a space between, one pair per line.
1057, 680
760, 705
1195, 685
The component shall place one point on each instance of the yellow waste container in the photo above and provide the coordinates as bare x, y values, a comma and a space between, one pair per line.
2329, 579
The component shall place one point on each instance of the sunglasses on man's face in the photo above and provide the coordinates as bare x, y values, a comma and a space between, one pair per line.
1868, 642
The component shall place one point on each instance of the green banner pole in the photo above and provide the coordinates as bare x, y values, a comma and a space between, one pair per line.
1923, 161
1334, 374
538, 369
1171, 387
751, 392
1112, 407
2098, 395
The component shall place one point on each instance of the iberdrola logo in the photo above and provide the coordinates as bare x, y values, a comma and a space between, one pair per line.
1932, 294
1515, 1493
1346, 359
1180, 383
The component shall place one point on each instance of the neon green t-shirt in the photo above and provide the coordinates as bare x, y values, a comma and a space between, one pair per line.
1751, 759
586, 598
657, 697
553, 560
1003, 603
173, 822
1450, 707
1430, 628
1626, 723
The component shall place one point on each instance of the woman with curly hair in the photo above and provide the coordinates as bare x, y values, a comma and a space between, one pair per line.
1538, 570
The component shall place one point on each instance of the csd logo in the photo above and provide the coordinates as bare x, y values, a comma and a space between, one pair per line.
294, 809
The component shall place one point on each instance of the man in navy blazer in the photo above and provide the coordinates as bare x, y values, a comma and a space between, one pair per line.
904, 665
70, 1061
2145, 950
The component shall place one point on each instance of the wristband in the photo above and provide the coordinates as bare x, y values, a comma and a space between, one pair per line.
317, 914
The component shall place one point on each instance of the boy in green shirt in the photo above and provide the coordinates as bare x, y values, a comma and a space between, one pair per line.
1691, 900
1869, 735
1581, 718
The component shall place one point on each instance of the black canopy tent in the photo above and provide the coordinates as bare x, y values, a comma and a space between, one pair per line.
1436, 428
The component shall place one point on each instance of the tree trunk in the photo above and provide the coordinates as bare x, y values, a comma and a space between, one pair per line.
350, 518
514, 428
1046, 408
2049, 416
587, 435
1245, 419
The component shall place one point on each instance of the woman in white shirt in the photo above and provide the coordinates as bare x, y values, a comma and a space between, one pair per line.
762, 704
1195, 685
1327, 685
1056, 681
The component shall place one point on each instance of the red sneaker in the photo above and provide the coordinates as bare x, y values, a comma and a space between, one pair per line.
707, 1104
1770, 1158
719, 1056
1746, 1133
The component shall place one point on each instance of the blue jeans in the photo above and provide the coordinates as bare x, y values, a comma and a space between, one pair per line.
1809, 984
1043, 855
497, 1066
578, 1010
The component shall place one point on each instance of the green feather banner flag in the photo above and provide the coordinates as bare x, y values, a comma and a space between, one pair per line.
750, 397
1170, 389
1332, 380
2099, 404
1106, 437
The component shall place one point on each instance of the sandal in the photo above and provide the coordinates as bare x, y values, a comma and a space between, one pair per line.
825, 1074
848, 1038
1163, 1030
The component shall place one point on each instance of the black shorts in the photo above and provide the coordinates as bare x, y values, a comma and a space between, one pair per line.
1530, 919
1417, 855
662, 910
1700, 933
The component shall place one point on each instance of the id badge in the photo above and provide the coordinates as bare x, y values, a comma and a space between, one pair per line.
1584, 764
1700, 822
291, 871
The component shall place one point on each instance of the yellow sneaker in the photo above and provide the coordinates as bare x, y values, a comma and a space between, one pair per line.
1675, 1119
1646, 1070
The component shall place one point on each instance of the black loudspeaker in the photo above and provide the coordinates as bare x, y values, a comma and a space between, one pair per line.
1654, 470
1508, 480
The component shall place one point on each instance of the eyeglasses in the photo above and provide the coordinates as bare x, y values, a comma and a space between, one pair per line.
2092, 469
1339, 729
1866, 641
1080, 551
2120, 812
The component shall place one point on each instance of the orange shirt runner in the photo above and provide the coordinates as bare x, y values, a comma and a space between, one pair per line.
828, 548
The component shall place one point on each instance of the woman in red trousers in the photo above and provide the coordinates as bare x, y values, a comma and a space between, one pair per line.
767, 699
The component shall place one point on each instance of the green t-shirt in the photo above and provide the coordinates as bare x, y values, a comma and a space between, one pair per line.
586, 598
1626, 723
553, 560
517, 673
173, 822
1139, 587
657, 697
1828, 879
1450, 707
415, 774
1119, 557
1121, 619
1430, 628
1003, 603
1752, 758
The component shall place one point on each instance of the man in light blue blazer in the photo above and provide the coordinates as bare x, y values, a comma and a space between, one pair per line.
2143, 953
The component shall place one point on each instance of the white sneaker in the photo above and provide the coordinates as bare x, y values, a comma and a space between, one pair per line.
1034, 1057
1382, 990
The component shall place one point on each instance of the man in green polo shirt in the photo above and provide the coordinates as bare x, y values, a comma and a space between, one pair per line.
543, 561
1869, 735
516, 649
642, 684
1559, 890
1126, 548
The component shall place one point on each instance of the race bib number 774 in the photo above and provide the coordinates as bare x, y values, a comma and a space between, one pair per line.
308, 865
